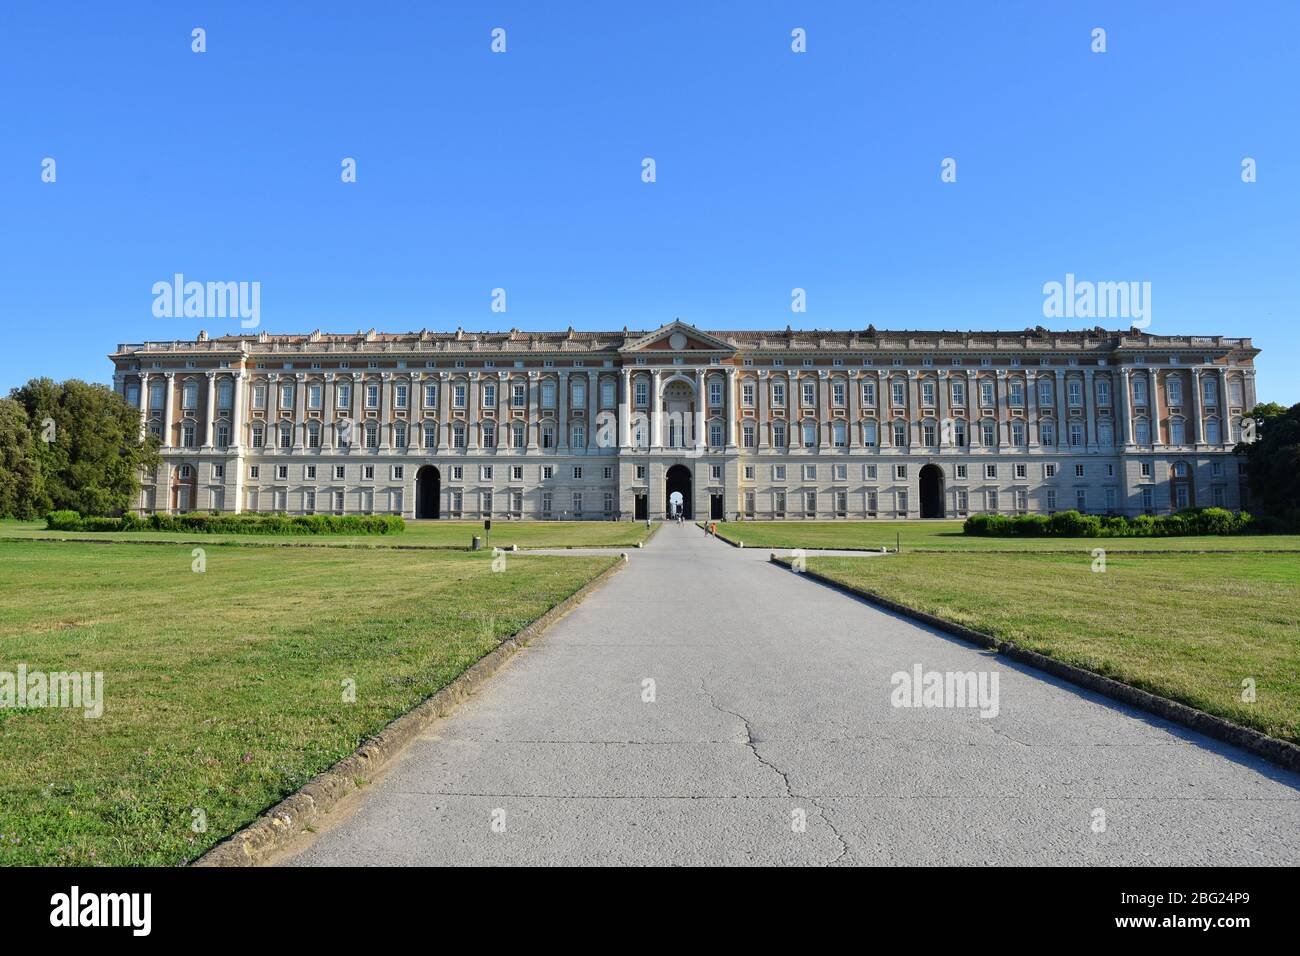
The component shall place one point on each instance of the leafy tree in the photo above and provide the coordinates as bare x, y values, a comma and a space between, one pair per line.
1273, 459
88, 446
21, 488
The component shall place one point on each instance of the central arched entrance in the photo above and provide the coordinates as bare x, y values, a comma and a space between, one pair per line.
678, 480
428, 492
931, 492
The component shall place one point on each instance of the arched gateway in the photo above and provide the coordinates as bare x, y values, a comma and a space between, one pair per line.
678, 479
428, 492
932, 492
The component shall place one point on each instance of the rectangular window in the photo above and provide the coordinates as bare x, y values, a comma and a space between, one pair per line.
778, 394
458, 395
809, 394
1075, 391
313, 396
747, 394
1051, 499
372, 396
899, 392
927, 394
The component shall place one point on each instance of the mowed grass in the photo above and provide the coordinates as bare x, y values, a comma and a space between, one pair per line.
224, 690
947, 536
1187, 627
418, 534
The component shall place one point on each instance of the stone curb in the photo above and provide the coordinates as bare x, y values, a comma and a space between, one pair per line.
1281, 752
277, 826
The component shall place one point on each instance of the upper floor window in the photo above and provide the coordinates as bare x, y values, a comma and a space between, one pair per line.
809, 394
899, 392
1045, 396
715, 393
1174, 390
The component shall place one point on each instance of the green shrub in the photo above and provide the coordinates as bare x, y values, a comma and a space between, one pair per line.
62, 521
1029, 525
1072, 524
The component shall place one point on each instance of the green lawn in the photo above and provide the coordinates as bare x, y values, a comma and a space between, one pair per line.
421, 534
223, 689
947, 536
1187, 627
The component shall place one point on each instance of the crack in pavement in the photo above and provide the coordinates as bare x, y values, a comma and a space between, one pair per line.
749, 740
824, 815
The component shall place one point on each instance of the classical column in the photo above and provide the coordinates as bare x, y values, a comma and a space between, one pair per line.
1195, 404
591, 414
144, 405
625, 411
1031, 403
505, 429
167, 410
700, 399
1225, 414
1248, 389
385, 410
534, 419
884, 401
1122, 408
1089, 409
1062, 409
237, 399
328, 401
209, 411
299, 410
656, 441
444, 413
729, 405
561, 412
358, 398
940, 407
1157, 440
762, 423
914, 434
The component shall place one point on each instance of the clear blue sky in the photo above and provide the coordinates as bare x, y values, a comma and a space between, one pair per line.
523, 170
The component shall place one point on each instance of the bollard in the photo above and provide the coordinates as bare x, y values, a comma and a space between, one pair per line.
476, 544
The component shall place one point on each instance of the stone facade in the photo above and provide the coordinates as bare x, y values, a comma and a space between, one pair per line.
609, 425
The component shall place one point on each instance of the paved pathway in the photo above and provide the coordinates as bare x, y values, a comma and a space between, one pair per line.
771, 705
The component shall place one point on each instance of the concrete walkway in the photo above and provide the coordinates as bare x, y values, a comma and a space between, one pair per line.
771, 709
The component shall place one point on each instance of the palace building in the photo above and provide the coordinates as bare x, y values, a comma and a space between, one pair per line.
623, 425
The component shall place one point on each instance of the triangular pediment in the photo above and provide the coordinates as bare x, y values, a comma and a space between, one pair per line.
678, 336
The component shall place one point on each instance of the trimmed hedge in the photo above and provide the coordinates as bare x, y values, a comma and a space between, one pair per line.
1072, 524
217, 523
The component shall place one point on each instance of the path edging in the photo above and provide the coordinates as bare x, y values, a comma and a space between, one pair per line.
1281, 752
284, 821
